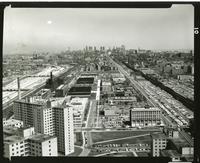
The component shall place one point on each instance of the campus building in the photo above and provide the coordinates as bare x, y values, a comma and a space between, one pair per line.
145, 116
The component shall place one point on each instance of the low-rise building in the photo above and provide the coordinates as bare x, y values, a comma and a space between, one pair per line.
159, 142
182, 146
171, 132
145, 116
25, 142
12, 123
79, 105
106, 86
122, 100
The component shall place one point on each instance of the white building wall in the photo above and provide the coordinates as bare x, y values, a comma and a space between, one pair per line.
68, 130
64, 129
49, 147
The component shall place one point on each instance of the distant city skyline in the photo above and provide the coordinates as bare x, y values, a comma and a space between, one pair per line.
54, 30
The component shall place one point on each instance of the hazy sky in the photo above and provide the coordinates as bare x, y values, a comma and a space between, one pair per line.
53, 30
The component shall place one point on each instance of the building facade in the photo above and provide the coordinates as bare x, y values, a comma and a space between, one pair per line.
145, 117
48, 118
158, 143
64, 129
25, 142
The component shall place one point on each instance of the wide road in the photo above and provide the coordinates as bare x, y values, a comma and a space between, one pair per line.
138, 87
86, 134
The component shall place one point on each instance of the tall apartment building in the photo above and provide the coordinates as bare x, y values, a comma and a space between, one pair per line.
52, 117
64, 128
145, 116
158, 143
25, 142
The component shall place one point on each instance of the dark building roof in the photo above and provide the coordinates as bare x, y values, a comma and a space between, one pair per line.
79, 91
85, 80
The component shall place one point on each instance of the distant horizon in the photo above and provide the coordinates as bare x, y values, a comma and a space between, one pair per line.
28, 30
164, 50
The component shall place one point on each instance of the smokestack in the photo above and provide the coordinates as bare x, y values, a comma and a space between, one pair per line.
51, 75
18, 85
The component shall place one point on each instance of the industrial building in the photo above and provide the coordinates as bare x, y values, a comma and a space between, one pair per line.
122, 100
85, 80
26, 142
43, 94
79, 91
145, 116
52, 117
61, 90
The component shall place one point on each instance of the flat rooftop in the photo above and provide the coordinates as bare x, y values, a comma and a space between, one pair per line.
85, 80
79, 91
12, 121
13, 139
146, 109
8, 130
39, 102
41, 137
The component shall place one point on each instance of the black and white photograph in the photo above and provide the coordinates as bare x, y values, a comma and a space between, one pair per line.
98, 82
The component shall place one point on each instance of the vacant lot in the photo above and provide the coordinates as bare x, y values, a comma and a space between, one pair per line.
121, 154
139, 140
109, 135
77, 152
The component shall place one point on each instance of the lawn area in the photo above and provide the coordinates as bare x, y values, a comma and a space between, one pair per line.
139, 140
142, 154
77, 152
120, 154
102, 136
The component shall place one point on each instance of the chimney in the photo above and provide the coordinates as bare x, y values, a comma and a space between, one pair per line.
51, 75
18, 85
